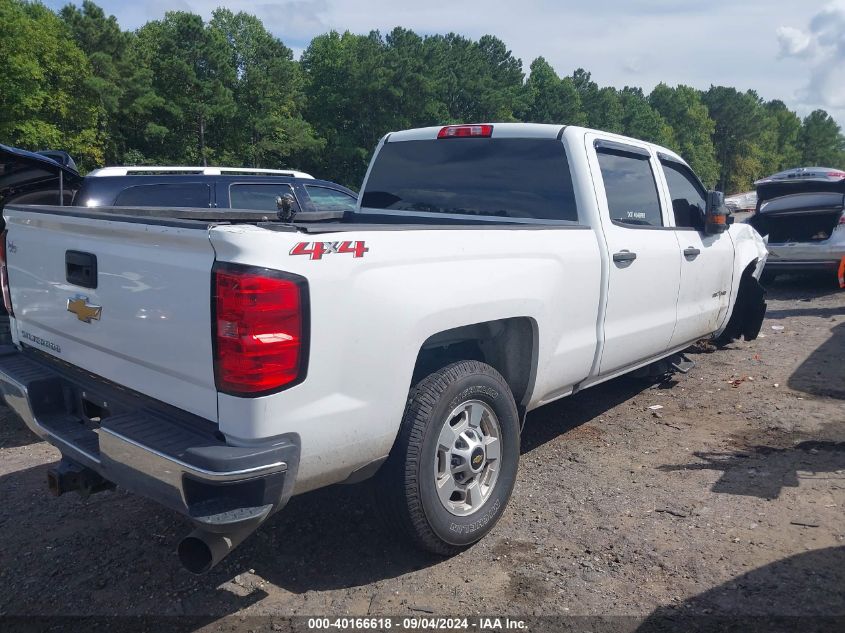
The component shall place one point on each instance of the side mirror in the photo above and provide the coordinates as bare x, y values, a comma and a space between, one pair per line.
716, 214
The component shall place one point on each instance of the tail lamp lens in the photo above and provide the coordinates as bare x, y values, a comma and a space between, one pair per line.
260, 330
466, 131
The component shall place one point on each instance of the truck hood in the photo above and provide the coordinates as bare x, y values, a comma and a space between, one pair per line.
23, 172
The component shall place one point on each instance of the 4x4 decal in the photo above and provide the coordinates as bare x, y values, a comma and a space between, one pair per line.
316, 250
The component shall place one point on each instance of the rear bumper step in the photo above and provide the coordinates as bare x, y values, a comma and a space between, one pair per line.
185, 467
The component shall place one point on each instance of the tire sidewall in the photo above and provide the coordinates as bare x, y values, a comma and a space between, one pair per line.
465, 530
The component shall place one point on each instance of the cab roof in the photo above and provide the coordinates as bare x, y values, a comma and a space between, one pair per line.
526, 130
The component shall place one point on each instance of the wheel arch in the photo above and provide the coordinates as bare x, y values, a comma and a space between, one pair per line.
509, 345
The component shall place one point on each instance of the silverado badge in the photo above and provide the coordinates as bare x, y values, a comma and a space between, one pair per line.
83, 310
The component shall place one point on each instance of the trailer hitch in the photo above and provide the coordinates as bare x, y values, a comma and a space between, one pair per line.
68, 476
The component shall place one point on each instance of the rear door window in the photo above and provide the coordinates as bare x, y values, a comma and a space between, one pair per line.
511, 178
630, 187
188, 194
688, 197
325, 199
260, 197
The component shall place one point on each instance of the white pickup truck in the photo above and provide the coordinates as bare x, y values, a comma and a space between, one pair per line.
219, 362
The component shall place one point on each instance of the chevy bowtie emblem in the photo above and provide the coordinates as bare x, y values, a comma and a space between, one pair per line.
83, 310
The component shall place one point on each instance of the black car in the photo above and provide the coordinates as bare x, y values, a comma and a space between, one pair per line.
211, 187
51, 178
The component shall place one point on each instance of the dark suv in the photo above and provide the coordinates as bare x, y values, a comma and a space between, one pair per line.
210, 187
51, 178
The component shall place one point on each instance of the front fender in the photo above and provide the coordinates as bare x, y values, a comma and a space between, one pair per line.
750, 251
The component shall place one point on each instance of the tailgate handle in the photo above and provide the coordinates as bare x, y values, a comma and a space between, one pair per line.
81, 269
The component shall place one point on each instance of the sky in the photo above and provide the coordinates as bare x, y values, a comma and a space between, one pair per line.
784, 49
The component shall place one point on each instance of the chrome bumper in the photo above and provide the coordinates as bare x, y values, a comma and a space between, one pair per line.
163, 455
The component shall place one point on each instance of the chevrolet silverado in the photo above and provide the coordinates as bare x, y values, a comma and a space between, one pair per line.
220, 362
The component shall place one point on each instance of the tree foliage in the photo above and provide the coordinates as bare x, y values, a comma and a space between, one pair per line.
684, 110
46, 97
821, 140
226, 91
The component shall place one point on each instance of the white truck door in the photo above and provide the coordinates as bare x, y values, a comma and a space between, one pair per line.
644, 267
706, 260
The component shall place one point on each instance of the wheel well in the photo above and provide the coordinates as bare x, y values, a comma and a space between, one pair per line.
507, 345
748, 311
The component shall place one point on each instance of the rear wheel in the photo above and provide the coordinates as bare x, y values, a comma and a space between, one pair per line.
453, 466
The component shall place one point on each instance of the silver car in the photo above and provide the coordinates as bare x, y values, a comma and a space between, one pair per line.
801, 212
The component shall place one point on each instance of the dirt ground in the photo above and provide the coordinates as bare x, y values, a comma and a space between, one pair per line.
727, 500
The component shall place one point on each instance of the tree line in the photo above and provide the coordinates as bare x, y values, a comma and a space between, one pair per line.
227, 92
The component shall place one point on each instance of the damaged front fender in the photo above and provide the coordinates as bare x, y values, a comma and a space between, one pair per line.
748, 305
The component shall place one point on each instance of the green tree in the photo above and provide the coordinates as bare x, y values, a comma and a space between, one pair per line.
351, 100
475, 81
602, 105
640, 120
191, 71
267, 128
105, 45
744, 136
821, 141
787, 129
46, 99
550, 99
684, 110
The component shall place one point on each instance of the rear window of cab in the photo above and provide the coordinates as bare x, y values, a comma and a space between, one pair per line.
514, 178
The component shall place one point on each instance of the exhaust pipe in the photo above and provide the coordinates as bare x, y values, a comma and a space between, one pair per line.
201, 550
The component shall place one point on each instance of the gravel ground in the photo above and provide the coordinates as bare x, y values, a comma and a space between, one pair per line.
727, 500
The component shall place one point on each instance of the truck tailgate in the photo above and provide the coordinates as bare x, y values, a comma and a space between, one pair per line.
142, 319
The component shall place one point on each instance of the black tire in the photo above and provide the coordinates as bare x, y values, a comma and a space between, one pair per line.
748, 312
406, 483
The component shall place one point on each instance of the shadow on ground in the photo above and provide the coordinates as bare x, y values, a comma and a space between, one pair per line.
767, 599
764, 471
823, 373
13, 431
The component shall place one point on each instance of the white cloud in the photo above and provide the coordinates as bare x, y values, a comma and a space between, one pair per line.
822, 50
794, 42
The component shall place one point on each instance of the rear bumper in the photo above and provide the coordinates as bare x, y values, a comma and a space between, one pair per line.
166, 455
801, 256
802, 265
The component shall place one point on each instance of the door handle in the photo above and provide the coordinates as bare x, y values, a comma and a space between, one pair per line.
624, 256
691, 252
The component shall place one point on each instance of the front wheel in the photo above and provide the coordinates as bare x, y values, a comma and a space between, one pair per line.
453, 465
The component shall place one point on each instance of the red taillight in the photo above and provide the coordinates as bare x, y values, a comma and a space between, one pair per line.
4, 276
260, 329
466, 131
